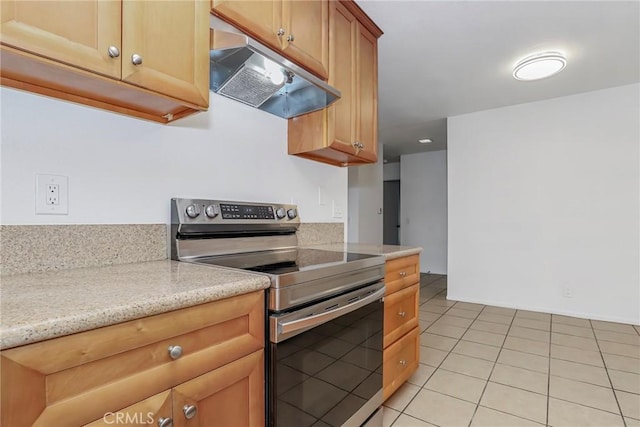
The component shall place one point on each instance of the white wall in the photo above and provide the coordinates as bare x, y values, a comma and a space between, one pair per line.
423, 207
125, 170
365, 194
391, 171
544, 197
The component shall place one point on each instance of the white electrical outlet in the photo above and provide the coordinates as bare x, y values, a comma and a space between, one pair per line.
52, 195
337, 210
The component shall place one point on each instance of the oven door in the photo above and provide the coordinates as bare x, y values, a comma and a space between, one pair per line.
325, 361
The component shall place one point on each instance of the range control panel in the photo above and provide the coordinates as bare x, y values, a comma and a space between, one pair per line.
200, 211
229, 211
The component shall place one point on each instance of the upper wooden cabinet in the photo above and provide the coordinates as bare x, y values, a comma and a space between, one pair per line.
77, 33
171, 38
147, 59
298, 29
345, 133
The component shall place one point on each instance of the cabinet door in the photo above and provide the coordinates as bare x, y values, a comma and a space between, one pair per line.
260, 18
77, 33
342, 114
232, 395
367, 119
147, 412
171, 39
306, 36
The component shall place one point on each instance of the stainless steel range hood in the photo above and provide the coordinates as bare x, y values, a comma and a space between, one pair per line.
247, 71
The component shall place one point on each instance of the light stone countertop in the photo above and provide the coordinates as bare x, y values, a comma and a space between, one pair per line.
36, 307
388, 251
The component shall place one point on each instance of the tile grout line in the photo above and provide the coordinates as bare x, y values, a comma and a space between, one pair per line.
492, 368
615, 396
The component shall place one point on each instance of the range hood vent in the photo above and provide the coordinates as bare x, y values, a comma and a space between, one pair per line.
247, 71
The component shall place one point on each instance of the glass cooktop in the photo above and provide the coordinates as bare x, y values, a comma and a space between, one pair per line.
287, 261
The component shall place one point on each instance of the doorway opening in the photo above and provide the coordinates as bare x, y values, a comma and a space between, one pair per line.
391, 220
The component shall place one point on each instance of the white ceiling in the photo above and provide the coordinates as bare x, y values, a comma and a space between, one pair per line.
439, 59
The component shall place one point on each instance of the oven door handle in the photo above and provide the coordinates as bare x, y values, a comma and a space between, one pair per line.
287, 329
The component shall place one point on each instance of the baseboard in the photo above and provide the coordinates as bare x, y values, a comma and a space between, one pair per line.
547, 310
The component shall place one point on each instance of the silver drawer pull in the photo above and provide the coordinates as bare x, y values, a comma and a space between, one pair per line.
403, 362
402, 314
165, 422
175, 352
403, 273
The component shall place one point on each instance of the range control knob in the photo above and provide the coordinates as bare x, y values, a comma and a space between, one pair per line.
292, 213
193, 211
280, 213
211, 211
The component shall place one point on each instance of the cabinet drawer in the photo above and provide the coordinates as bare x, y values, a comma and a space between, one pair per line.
75, 379
400, 361
400, 313
402, 272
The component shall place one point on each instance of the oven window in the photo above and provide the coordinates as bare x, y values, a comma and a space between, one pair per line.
325, 375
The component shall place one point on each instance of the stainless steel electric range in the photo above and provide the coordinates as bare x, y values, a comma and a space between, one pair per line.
325, 311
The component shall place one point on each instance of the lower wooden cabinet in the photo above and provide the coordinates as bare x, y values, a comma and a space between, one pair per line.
400, 361
401, 339
204, 401
204, 356
232, 395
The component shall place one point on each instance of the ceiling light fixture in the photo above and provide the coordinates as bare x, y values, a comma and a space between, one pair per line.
539, 66
425, 141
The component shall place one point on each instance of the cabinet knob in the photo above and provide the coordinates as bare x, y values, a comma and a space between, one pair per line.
113, 52
136, 59
190, 411
402, 314
290, 38
403, 362
403, 273
280, 32
165, 422
175, 352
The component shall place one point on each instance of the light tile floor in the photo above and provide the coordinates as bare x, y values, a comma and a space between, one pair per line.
491, 366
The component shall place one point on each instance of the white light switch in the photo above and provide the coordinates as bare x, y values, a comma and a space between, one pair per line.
321, 196
52, 195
